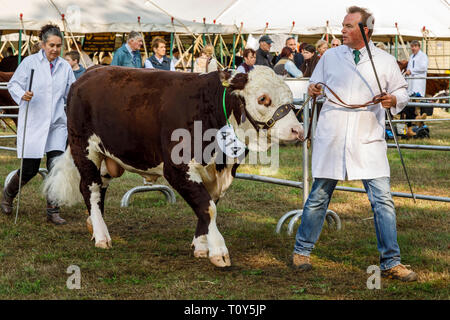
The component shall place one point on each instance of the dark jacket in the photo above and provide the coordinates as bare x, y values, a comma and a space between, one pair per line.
308, 65
298, 60
165, 65
263, 58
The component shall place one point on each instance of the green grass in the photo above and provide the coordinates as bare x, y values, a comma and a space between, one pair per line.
151, 256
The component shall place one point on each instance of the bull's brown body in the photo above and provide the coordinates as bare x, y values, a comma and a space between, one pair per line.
134, 113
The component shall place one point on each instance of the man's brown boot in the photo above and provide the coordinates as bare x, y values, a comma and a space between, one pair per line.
8, 195
400, 272
300, 262
410, 133
53, 215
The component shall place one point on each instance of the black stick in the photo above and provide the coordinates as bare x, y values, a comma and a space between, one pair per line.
388, 112
23, 147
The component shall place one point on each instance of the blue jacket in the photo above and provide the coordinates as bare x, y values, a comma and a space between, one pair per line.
79, 72
122, 57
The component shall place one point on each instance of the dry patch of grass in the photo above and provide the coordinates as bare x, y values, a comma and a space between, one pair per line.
151, 256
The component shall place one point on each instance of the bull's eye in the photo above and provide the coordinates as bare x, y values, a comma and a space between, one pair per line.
264, 99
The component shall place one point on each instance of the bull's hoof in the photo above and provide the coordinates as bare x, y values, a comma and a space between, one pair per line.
201, 253
104, 244
221, 261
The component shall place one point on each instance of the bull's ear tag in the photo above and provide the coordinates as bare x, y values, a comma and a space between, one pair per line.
229, 143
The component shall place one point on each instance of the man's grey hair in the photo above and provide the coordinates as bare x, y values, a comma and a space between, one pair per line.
415, 43
134, 35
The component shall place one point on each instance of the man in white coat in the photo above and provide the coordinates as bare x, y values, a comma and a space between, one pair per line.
47, 122
417, 68
350, 144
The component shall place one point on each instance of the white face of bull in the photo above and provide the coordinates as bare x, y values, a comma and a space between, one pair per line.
263, 94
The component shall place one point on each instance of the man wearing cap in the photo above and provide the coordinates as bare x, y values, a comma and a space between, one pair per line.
263, 57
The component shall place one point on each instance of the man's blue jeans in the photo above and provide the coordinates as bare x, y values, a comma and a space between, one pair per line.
314, 211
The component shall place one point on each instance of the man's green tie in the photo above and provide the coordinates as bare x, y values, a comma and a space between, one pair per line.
356, 53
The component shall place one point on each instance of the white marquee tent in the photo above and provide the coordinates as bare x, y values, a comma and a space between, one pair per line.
311, 17
95, 16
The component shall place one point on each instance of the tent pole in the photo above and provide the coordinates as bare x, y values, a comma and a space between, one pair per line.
192, 56
234, 50
20, 47
20, 43
221, 50
396, 47
171, 45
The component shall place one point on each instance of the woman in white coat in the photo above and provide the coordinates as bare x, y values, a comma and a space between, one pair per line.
47, 122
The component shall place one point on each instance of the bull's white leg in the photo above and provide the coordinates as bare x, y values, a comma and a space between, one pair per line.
200, 245
100, 231
105, 183
218, 252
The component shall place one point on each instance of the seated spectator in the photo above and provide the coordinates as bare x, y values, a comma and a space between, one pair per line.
175, 56
263, 57
206, 62
88, 61
106, 60
249, 61
286, 64
73, 58
311, 60
321, 47
381, 45
335, 42
159, 60
298, 57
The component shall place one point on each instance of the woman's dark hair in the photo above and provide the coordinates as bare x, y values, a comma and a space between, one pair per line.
49, 30
310, 48
286, 52
247, 52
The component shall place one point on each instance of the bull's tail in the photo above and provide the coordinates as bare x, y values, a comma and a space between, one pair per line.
61, 185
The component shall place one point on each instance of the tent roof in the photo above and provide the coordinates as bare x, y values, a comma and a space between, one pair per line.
311, 18
84, 16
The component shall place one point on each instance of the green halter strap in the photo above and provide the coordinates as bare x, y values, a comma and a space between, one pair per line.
223, 104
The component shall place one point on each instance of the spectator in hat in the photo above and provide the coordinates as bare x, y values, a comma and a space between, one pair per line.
263, 57
129, 55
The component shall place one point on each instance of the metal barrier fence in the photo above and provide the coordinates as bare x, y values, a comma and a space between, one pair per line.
331, 217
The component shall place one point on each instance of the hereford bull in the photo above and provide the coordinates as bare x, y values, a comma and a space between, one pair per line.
127, 123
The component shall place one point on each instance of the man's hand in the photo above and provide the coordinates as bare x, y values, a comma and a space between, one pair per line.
408, 72
27, 96
387, 100
314, 90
